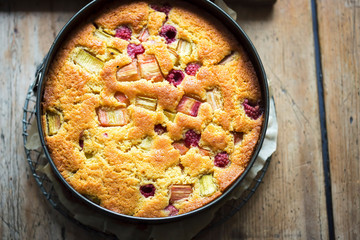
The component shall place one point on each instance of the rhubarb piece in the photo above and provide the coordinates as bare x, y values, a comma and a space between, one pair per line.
221, 159
180, 191
146, 144
170, 115
174, 56
160, 129
109, 31
54, 121
192, 139
122, 98
188, 106
88, 61
144, 35
172, 211
147, 190
101, 34
169, 33
162, 8
109, 54
180, 146
93, 198
192, 68
175, 77
149, 68
184, 48
146, 102
238, 137
213, 97
110, 118
129, 72
133, 50
207, 185
252, 110
113, 52
228, 58
123, 32
89, 155
204, 151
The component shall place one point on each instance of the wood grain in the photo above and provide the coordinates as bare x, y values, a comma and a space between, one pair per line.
290, 204
24, 212
339, 28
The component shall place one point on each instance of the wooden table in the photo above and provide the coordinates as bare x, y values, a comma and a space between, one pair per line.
312, 187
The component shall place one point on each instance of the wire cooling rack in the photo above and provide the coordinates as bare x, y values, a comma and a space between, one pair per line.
36, 161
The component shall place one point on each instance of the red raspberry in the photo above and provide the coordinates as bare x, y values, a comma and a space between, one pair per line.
173, 210
168, 32
164, 8
192, 68
252, 110
175, 77
123, 32
192, 139
133, 49
147, 190
221, 159
159, 129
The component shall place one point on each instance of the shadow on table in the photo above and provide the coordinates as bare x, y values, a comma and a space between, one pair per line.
42, 5
252, 12
251, 8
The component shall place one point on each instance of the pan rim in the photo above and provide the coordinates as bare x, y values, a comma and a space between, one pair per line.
243, 39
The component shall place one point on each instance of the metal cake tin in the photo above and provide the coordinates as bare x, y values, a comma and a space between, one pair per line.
207, 6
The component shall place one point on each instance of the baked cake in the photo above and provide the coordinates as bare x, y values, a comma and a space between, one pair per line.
151, 110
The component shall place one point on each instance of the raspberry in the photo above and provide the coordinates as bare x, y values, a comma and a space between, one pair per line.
106, 135
172, 210
252, 110
192, 68
221, 159
147, 190
169, 33
175, 77
133, 49
159, 129
192, 139
123, 32
164, 8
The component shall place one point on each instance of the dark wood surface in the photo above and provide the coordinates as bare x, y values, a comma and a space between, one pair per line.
292, 201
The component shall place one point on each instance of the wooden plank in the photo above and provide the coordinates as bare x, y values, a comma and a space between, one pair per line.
339, 30
24, 212
290, 204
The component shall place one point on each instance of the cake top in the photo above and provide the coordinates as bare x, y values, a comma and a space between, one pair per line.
151, 110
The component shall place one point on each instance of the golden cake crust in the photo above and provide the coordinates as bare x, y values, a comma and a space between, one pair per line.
101, 107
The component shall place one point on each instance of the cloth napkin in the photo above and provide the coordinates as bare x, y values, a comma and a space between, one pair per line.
180, 230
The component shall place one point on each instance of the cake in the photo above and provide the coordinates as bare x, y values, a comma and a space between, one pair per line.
151, 110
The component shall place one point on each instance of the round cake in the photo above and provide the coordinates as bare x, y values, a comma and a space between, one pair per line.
151, 110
